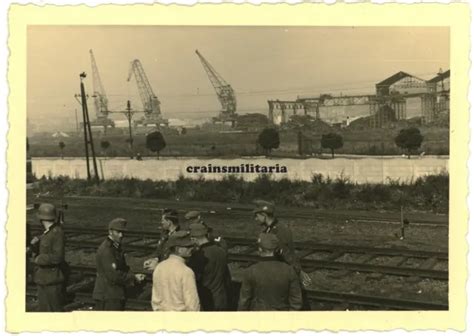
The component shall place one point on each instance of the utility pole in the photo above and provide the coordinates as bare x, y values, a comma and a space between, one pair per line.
129, 115
77, 124
88, 132
129, 112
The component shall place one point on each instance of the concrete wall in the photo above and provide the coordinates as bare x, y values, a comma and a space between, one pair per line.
361, 170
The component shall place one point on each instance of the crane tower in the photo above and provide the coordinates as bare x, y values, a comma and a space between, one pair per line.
100, 98
151, 104
224, 92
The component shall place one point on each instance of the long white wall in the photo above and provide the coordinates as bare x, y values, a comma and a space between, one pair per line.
361, 170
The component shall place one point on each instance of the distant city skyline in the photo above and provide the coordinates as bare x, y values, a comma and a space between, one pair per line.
260, 63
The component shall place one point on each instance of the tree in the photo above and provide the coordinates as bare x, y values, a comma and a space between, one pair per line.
332, 141
269, 139
409, 139
104, 144
61, 148
155, 142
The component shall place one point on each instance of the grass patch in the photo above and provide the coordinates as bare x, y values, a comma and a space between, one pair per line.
428, 193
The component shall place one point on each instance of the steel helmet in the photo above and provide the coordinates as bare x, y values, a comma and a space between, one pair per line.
47, 211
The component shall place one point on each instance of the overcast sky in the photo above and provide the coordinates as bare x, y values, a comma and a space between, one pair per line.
260, 63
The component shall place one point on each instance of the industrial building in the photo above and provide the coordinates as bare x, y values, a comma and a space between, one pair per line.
398, 97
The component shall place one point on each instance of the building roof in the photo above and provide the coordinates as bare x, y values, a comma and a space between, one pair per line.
395, 78
440, 77
60, 134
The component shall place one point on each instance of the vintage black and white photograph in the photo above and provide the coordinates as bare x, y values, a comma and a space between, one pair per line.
237, 168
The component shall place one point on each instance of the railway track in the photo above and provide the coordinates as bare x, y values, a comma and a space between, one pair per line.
81, 297
340, 260
313, 256
222, 209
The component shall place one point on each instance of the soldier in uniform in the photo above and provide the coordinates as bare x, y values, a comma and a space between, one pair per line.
270, 284
174, 283
49, 276
194, 216
113, 273
209, 263
265, 215
169, 225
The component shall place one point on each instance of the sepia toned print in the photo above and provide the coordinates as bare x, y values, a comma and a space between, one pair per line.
184, 168
361, 227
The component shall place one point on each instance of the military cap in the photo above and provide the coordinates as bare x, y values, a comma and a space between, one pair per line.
268, 241
180, 238
192, 215
264, 206
47, 211
198, 229
118, 224
171, 214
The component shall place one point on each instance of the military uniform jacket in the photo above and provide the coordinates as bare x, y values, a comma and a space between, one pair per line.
209, 264
50, 258
286, 249
270, 284
113, 274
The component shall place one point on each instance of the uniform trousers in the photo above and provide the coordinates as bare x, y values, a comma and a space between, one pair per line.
306, 306
50, 298
110, 305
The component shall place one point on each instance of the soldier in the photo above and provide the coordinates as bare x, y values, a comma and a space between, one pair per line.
209, 263
264, 215
169, 225
49, 276
194, 216
174, 283
113, 273
270, 284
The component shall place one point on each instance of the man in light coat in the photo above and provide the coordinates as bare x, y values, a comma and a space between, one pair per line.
174, 283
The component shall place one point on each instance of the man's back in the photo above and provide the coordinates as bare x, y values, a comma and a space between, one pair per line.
270, 285
174, 286
209, 264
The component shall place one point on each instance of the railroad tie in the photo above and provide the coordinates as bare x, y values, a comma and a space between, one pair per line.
395, 262
335, 255
82, 285
138, 254
249, 249
131, 240
429, 263
398, 261
363, 259
304, 253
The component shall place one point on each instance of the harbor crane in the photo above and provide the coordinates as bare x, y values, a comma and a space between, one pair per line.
224, 92
151, 104
100, 98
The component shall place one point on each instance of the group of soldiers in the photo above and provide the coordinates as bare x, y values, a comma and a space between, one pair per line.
189, 267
